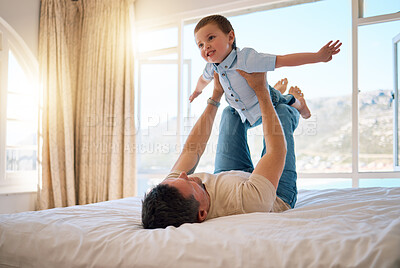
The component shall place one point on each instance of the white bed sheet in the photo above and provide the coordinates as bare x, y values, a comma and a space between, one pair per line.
328, 228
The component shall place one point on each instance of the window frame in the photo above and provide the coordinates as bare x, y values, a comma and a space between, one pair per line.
372, 19
146, 58
396, 53
358, 21
15, 181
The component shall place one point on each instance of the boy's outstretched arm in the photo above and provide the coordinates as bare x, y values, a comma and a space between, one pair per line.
323, 55
201, 84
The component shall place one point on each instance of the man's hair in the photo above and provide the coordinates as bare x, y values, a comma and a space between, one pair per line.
223, 24
164, 205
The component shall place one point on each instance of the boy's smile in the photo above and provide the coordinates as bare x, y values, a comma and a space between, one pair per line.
214, 44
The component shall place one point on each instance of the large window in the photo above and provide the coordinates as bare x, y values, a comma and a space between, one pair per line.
349, 139
321, 145
375, 83
19, 114
161, 113
21, 126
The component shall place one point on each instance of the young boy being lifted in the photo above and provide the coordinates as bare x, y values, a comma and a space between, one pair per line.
215, 37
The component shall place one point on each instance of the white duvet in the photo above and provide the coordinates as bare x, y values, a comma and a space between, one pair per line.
328, 228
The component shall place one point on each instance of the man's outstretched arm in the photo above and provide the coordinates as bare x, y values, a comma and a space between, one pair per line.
197, 141
271, 164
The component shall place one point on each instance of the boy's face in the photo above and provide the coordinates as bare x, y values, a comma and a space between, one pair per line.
214, 44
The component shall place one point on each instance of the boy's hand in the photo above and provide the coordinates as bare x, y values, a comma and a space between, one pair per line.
326, 52
195, 94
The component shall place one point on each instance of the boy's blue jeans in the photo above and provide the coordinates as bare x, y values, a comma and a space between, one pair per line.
233, 151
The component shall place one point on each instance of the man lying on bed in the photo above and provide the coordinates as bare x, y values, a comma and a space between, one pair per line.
239, 188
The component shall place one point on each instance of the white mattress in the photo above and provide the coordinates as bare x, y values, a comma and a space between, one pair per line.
328, 228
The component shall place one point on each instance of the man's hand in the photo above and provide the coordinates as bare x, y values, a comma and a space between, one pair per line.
326, 52
218, 90
257, 81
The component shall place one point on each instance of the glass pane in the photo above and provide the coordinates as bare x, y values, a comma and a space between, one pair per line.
319, 184
323, 142
159, 39
147, 181
142, 185
185, 96
21, 107
165, 57
17, 79
158, 117
21, 134
379, 183
380, 7
375, 99
21, 160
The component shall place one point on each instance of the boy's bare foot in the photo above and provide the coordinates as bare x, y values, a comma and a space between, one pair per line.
300, 104
281, 85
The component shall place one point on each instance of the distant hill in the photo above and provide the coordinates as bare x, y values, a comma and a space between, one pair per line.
324, 142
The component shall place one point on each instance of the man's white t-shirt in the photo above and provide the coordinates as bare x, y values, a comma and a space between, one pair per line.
238, 192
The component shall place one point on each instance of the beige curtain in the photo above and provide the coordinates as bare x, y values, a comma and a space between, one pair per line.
86, 65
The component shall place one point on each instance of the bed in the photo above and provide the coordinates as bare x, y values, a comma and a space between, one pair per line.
356, 227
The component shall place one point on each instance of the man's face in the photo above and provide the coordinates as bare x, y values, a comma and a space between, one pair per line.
188, 186
214, 44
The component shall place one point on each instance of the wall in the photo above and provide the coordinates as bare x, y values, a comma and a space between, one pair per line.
12, 203
23, 16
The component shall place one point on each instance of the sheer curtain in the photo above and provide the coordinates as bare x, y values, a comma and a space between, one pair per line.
88, 132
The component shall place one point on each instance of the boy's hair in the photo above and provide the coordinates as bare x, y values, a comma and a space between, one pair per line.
164, 205
223, 24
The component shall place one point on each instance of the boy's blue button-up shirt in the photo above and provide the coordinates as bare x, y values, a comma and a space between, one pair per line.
238, 93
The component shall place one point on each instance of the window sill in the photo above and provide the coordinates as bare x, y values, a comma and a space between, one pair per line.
18, 189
